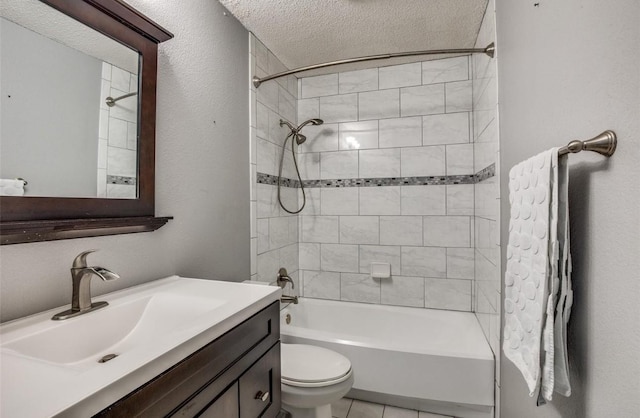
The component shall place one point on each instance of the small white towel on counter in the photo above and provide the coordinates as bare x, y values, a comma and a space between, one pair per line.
537, 278
11, 187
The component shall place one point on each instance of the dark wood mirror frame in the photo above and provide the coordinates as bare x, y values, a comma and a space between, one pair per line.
31, 219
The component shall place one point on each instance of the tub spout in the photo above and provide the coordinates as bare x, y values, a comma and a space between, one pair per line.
289, 299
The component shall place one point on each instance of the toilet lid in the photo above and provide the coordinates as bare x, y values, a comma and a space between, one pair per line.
310, 366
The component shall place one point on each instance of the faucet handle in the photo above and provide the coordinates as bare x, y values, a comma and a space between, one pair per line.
81, 259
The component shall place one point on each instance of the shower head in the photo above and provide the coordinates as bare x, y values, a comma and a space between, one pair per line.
300, 139
310, 121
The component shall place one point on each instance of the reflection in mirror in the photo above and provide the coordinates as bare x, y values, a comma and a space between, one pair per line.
57, 129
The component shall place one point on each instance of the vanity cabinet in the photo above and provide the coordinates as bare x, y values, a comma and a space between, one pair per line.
235, 376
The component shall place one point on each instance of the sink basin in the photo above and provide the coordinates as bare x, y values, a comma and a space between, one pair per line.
143, 331
112, 330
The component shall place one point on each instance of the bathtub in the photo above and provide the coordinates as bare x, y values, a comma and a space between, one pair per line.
426, 359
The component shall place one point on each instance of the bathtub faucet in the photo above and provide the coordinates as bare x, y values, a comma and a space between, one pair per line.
283, 279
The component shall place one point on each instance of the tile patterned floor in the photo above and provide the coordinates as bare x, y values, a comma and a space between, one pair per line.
352, 408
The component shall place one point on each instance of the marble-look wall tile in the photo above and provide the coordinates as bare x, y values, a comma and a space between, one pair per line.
312, 202
278, 232
121, 162
268, 157
338, 201
460, 263
423, 200
268, 265
262, 227
460, 199
459, 159
424, 261
449, 128
359, 230
400, 75
458, 96
359, 80
309, 166
379, 163
447, 231
321, 284
379, 254
320, 229
342, 108
120, 79
447, 294
401, 230
379, 104
322, 85
117, 133
403, 291
288, 258
121, 191
401, 132
339, 257
320, 138
286, 105
359, 135
423, 161
339, 164
449, 69
359, 288
308, 109
379, 200
262, 121
422, 100
309, 256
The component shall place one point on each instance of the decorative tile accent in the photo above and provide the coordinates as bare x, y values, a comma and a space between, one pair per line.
484, 174
121, 180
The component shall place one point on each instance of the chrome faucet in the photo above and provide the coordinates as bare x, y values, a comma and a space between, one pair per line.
81, 280
282, 280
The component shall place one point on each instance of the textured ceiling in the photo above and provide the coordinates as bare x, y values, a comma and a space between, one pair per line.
305, 32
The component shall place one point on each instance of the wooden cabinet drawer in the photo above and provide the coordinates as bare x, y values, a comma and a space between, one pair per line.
226, 406
260, 387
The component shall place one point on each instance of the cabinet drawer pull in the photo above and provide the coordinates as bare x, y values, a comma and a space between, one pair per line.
263, 396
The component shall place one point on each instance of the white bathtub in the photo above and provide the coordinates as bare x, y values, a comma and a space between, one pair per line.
425, 359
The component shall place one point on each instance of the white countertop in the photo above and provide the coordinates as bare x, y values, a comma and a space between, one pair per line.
32, 387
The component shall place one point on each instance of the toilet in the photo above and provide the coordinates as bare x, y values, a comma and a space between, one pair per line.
313, 378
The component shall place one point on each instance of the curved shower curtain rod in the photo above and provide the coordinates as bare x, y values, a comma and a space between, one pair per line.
489, 50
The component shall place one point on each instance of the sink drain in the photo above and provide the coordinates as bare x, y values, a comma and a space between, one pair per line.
107, 358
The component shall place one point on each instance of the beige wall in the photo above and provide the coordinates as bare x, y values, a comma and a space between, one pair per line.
201, 173
571, 70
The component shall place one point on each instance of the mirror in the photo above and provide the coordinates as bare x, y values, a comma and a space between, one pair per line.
69, 105
88, 160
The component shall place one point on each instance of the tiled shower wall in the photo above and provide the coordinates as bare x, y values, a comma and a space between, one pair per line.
118, 133
274, 232
487, 192
409, 124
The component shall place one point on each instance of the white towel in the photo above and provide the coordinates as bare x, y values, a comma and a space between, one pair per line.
11, 187
538, 293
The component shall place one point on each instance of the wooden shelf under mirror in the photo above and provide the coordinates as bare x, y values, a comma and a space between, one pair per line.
33, 218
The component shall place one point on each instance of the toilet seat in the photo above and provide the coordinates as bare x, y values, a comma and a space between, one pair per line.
310, 366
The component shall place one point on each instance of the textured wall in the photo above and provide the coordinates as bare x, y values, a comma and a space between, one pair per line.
201, 173
570, 70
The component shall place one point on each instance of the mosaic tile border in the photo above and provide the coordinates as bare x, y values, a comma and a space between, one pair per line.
481, 175
129, 181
